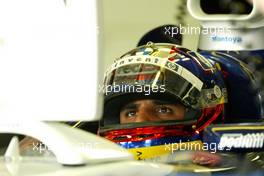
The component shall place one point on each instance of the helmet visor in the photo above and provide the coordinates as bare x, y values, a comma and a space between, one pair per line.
151, 75
146, 76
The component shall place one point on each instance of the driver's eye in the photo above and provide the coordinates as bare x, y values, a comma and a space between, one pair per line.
164, 110
130, 113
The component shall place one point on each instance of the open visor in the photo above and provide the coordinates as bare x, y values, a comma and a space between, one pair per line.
153, 75
150, 77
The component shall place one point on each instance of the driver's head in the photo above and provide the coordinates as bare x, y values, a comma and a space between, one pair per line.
163, 83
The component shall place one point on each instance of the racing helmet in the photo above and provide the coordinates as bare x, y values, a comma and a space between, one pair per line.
166, 72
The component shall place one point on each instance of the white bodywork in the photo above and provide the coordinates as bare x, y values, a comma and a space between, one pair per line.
39, 166
70, 157
229, 31
48, 60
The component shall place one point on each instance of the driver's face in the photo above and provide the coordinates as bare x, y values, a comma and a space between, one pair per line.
151, 111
